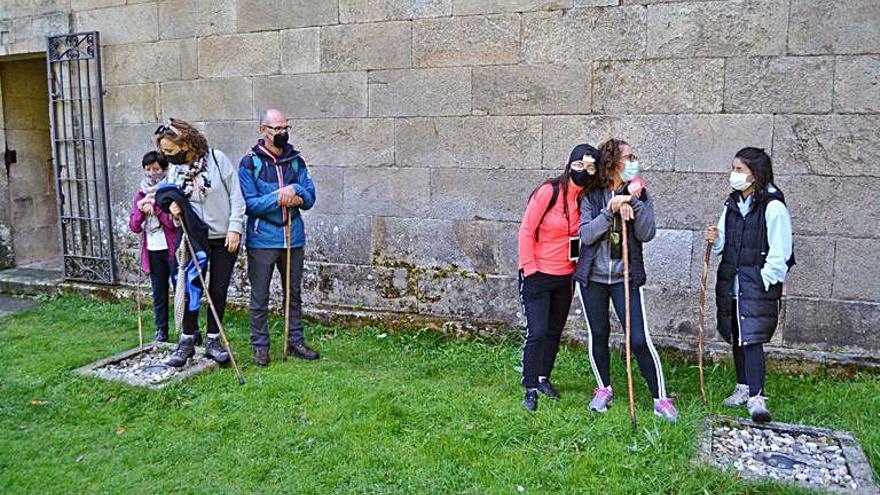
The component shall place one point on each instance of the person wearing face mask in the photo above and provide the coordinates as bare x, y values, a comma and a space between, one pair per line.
209, 180
277, 188
545, 267
754, 239
612, 203
158, 238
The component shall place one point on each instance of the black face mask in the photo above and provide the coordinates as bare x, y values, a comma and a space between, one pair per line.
580, 177
178, 158
280, 139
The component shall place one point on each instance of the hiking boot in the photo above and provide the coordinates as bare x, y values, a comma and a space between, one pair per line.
302, 351
758, 409
546, 388
666, 409
197, 336
161, 336
739, 397
530, 402
185, 350
602, 398
215, 350
261, 357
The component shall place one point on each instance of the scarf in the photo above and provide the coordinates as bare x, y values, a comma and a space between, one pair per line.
148, 187
192, 179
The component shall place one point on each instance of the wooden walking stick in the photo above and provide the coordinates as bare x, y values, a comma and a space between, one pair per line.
192, 254
628, 330
287, 286
137, 298
701, 322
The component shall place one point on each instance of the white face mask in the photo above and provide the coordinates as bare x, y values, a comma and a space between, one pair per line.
740, 181
630, 171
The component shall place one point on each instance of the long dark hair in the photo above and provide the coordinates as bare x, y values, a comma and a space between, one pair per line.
761, 166
561, 181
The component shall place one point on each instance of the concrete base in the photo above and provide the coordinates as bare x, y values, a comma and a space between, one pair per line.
191, 369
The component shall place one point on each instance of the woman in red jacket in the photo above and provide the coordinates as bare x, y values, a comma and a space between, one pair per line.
546, 265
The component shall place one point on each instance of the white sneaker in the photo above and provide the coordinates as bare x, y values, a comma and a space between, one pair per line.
739, 397
758, 409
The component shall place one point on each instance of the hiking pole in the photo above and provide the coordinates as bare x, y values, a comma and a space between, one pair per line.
628, 330
137, 298
192, 253
702, 319
287, 285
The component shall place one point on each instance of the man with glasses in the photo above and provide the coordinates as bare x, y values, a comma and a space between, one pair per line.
276, 186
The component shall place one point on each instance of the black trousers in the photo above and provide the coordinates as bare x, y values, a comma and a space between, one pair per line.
262, 263
749, 360
220, 265
546, 300
160, 280
594, 299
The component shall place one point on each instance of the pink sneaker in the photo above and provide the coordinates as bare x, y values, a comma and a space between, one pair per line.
601, 399
666, 409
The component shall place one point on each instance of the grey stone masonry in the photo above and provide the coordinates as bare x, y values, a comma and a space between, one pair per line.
426, 124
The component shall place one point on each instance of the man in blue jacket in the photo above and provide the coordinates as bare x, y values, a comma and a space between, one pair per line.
276, 187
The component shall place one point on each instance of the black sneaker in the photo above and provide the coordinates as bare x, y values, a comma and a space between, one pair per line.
546, 388
261, 357
215, 350
185, 350
530, 402
303, 351
160, 336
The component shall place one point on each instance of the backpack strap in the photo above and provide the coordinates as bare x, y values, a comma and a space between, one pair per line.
219, 172
553, 198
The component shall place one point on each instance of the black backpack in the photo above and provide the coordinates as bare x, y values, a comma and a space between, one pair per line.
552, 202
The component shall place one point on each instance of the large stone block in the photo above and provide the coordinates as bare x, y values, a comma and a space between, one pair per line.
192, 18
252, 54
329, 187
668, 259
360, 287
388, 191
857, 84
339, 238
123, 153
827, 145
779, 85
389, 10
652, 137
585, 34
208, 99
813, 274
486, 247
141, 62
677, 86
79, 5
717, 29
133, 104
703, 194
834, 26
831, 324
856, 270
490, 299
672, 312
25, 8
301, 50
125, 24
476, 40
360, 143
341, 94
37, 28
469, 142
532, 89
473, 7
835, 217
386, 45
420, 92
473, 194
707, 143
266, 15
189, 59
233, 138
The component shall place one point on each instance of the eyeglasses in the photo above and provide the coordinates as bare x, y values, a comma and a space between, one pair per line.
277, 129
630, 158
583, 165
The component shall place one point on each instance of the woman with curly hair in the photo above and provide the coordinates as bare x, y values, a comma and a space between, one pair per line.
209, 181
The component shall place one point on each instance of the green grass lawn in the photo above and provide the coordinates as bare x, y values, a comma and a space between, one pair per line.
406, 413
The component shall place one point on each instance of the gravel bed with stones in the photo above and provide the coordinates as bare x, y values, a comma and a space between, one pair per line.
801, 458
148, 367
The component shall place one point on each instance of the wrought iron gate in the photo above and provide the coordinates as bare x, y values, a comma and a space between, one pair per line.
79, 154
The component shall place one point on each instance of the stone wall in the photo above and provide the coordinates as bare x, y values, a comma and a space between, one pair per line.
427, 123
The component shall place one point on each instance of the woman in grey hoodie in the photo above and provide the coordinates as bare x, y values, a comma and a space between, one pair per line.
210, 181
615, 201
